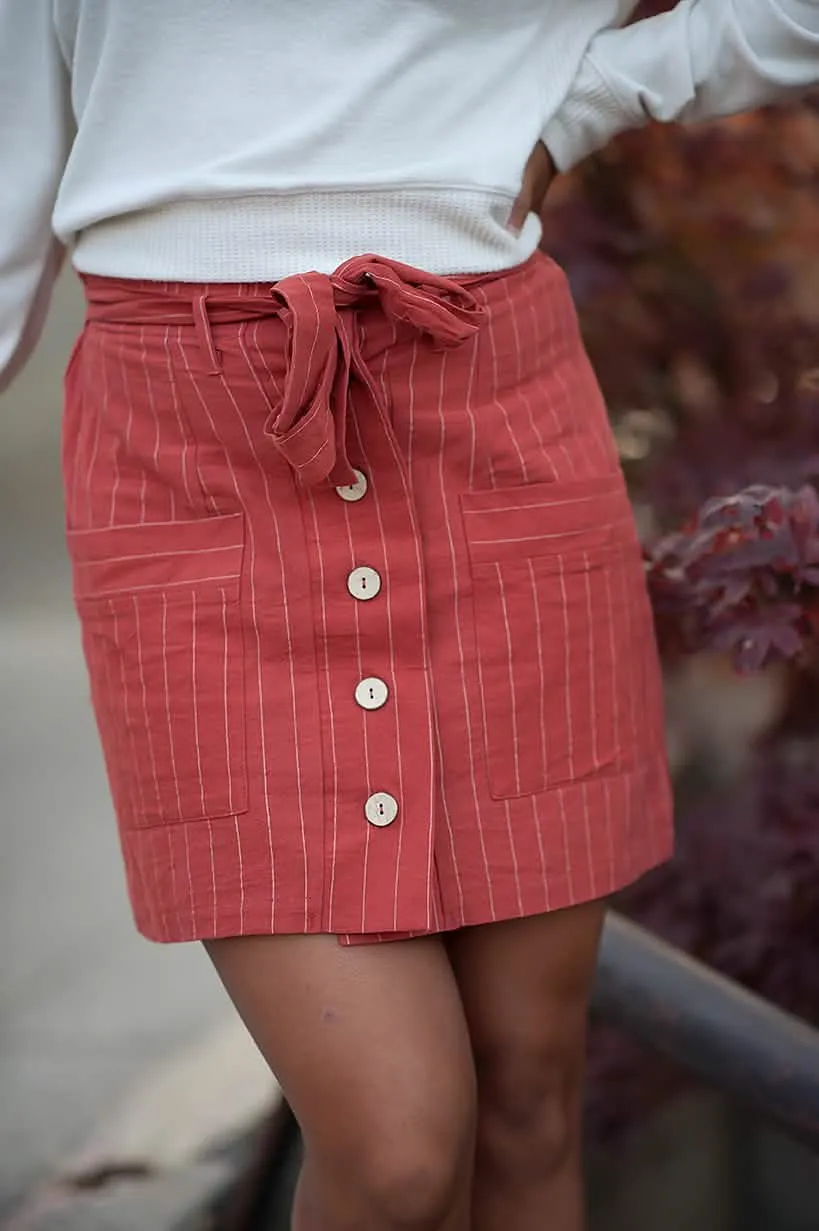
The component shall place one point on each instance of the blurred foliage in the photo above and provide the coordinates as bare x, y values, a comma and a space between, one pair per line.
694, 258
741, 577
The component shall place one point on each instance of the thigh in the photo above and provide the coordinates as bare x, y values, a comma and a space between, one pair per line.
525, 986
368, 1042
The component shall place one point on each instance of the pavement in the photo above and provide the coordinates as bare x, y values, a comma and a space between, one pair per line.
89, 1012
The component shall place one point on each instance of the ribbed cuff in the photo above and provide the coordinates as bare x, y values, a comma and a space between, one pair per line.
589, 117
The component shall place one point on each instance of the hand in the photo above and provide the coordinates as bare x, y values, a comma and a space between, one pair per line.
537, 180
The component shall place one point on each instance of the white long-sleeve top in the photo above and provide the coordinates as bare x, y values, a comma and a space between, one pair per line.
201, 140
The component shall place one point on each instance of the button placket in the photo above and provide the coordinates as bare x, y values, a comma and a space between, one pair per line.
387, 884
364, 584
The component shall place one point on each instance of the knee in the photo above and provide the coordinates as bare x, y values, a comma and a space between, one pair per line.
405, 1171
415, 1188
530, 1111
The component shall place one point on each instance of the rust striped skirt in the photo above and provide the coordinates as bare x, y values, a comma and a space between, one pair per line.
362, 603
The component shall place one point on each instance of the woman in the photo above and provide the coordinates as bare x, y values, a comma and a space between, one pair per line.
361, 597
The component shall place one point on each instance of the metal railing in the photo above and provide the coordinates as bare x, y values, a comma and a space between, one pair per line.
705, 1023
710, 1027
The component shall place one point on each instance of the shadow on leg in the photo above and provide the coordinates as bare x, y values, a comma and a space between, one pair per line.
525, 986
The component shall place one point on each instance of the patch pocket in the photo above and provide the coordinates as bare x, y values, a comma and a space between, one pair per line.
159, 608
564, 635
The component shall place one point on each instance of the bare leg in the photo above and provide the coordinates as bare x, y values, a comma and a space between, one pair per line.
525, 986
372, 1051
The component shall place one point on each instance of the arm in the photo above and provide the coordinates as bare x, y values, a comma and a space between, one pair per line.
35, 137
704, 59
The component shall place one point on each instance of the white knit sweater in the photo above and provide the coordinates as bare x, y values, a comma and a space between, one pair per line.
244, 140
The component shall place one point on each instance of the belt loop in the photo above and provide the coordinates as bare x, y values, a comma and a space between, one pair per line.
202, 322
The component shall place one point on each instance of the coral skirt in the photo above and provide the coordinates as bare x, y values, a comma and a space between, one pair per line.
362, 603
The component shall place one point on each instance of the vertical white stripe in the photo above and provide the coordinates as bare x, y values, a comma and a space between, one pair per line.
290, 616
109, 718
546, 301
325, 670
176, 900
240, 864
146, 712
410, 394
394, 685
537, 822
126, 393
404, 479
184, 433
617, 675
395, 667
610, 849
213, 894
567, 850
409, 496
410, 484
168, 715
459, 576
152, 839
101, 405
515, 865
143, 487
596, 716
510, 672
590, 845
497, 401
197, 736
193, 929
226, 687
456, 591
541, 672
632, 648
251, 545
566, 641
512, 307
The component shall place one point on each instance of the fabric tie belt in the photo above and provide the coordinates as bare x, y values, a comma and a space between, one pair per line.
308, 424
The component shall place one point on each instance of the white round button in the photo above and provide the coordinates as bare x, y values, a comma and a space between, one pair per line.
364, 583
354, 491
372, 694
381, 809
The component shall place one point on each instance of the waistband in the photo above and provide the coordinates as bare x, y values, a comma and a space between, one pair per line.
270, 236
308, 424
